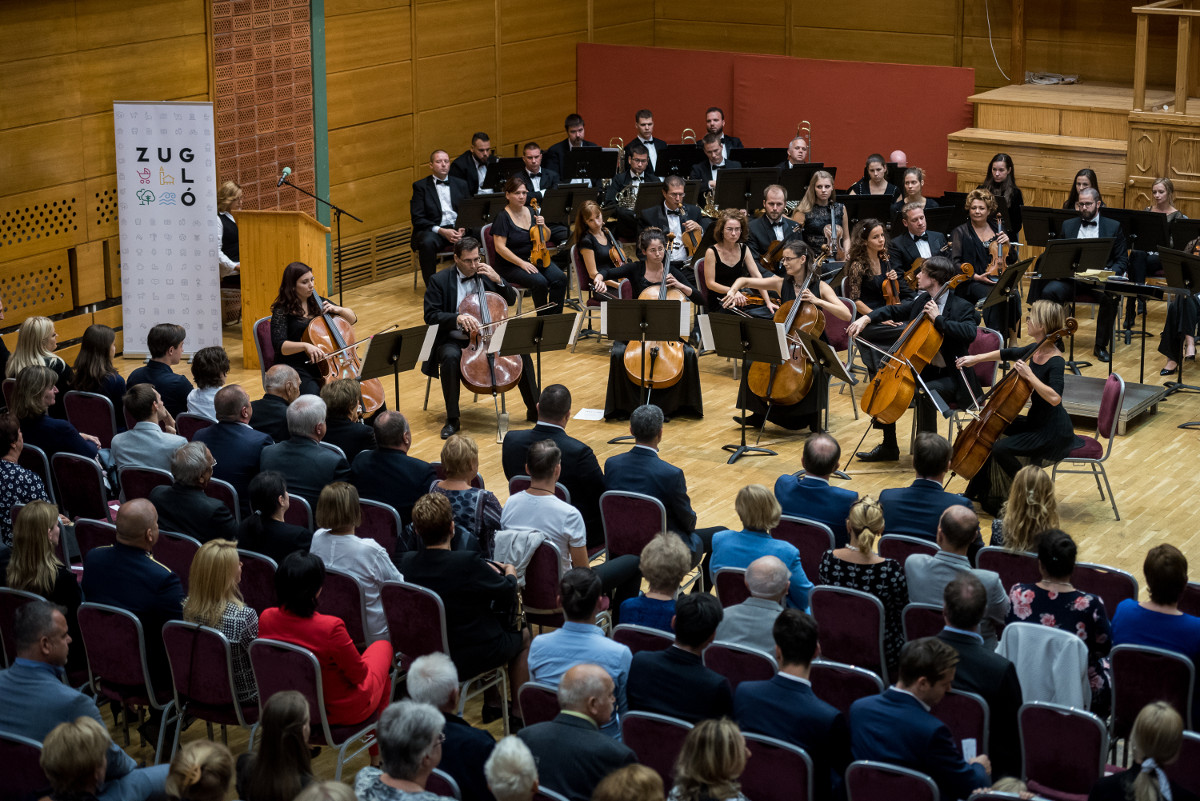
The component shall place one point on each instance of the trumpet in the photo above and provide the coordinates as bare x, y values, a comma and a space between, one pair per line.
688, 137
618, 143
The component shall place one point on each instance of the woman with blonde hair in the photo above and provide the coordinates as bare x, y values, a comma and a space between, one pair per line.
229, 200
476, 511
36, 342
593, 241
1031, 509
665, 561
215, 600
201, 771
34, 566
1156, 741
75, 758
859, 567
713, 756
630, 783
728, 259
815, 212
759, 512
33, 397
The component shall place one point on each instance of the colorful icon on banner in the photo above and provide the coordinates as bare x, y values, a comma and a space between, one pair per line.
164, 178
145, 196
144, 174
166, 199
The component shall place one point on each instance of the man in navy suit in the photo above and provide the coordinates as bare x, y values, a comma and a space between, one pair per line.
813, 496
785, 707
165, 343
233, 443
918, 242
434, 212
644, 120
898, 728
556, 154
773, 225
472, 165
916, 509
714, 122
387, 473
305, 464
715, 159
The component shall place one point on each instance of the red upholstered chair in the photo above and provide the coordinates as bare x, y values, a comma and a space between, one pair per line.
1062, 749
91, 413
739, 663
966, 714
1185, 771
776, 771
10, 601
590, 308
258, 580
23, 775
902, 546
224, 492
840, 685
810, 537
851, 627
1107, 583
1091, 454
380, 522
34, 458
81, 487
342, 597
1142, 675
1189, 604
137, 481
280, 666
922, 620
187, 424
521, 483
656, 739
177, 551
441, 783
986, 340
877, 781
642, 638
539, 597
839, 340
539, 702
1014, 567
630, 520
731, 585
262, 344
299, 512
91, 534
8, 386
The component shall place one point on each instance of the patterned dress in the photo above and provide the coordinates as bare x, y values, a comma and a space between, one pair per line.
239, 624
17, 485
885, 580
476, 517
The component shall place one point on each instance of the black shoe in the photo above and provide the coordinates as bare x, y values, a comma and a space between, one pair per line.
490, 713
1101, 354
1166, 371
450, 429
750, 421
531, 416
880, 453
1128, 336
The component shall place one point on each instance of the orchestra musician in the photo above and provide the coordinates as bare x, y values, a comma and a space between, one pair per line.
443, 296
1084, 179
955, 319
624, 395
673, 216
868, 266
814, 213
797, 261
638, 175
513, 246
874, 180
593, 241
714, 123
914, 187
644, 120
899, 158
918, 242
797, 153
729, 259
773, 225
1178, 339
715, 159
1143, 263
434, 212
538, 179
1001, 182
472, 165
970, 243
297, 305
556, 154
1045, 435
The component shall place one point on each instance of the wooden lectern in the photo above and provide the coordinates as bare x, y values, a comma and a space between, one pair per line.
268, 242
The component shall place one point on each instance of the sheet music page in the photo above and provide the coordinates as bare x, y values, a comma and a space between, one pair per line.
427, 345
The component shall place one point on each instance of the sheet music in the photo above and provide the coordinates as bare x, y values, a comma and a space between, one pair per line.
575, 329
604, 319
427, 345
706, 337
498, 338
781, 335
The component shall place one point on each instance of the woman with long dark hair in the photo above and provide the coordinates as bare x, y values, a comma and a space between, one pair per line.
297, 305
95, 371
513, 244
1084, 179
282, 766
874, 180
1001, 181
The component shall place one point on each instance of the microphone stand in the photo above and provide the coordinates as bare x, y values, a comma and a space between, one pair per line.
337, 217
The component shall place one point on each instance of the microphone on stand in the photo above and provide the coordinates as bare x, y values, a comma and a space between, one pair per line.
286, 172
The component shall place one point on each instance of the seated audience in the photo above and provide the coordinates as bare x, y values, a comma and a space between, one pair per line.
343, 418
675, 682
236, 446
165, 343
571, 752
784, 707
916, 509
327, 791
759, 513
95, 371
281, 386
713, 756
859, 567
750, 622
17, 484
201, 771
282, 765
476, 511
1031, 509
630, 783
306, 465
511, 772
33, 396
264, 530
184, 507
388, 474
36, 342
73, 758
813, 497
215, 600
1155, 742
433, 679
34, 566
151, 441
410, 738
1055, 602
210, 366
664, 563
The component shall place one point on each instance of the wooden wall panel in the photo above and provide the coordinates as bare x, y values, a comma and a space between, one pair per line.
98, 27
38, 156
369, 149
719, 11
639, 33
524, 114
35, 30
122, 73
452, 25
373, 198
349, 39
39, 90
701, 34
555, 59
436, 84
372, 93
607, 13
450, 128
522, 21
860, 45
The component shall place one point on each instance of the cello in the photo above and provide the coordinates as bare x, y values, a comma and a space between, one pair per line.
789, 383
334, 335
665, 358
539, 238
481, 372
1001, 406
892, 389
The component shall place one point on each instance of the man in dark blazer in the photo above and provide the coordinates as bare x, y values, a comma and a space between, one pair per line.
898, 728
442, 296
183, 507
306, 465
580, 469
233, 443
165, 343
539, 180
917, 241
268, 414
556, 154
797, 153
916, 509
773, 225
956, 320
714, 123
638, 176
814, 496
471, 166
433, 679
571, 752
434, 212
675, 216
644, 120
715, 159
675, 681
388, 474
786, 708
983, 671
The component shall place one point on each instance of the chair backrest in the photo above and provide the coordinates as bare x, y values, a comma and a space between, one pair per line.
851, 627
116, 654
416, 619
81, 486
380, 522
539, 702
280, 666
442, 784
10, 601
34, 459
701, 281
1189, 603
835, 329
811, 538
177, 551
1142, 675
539, 596
840, 685
902, 546
876, 781
1107, 583
630, 520
91, 413
731, 585
1112, 398
224, 492
656, 739
986, 340
642, 638
201, 661
1013, 567
137, 481
1062, 749
258, 580
187, 424
439, 470
21, 757
739, 663
342, 597
521, 483
922, 620
329, 446
1185, 771
264, 346
966, 715
91, 534
299, 512
776, 770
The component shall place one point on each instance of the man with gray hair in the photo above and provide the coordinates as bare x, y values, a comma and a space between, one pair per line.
388, 474
235, 446
269, 413
433, 680
410, 747
304, 462
571, 751
750, 622
184, 507
147, 443
511, 772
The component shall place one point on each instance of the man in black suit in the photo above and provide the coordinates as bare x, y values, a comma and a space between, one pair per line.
165, 343
715, 160
1090, 225
635, 178
304, 463
472, 165
915, 510
955, 319
797, 153
773, 225
540, 179
918, 242
644, 120
675, 216
268, 414
445, 292
233, 443
556, 154
580, 469
184, 507
983, 671
388, 474
572, 754
434, 212
675, 681
714, 122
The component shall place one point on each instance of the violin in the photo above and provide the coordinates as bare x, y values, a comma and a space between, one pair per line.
891, 392
996, 264
1002, 405
481, 372
891, 287
334, 335
910, 275
770, 259
691, 239
789, 383
615, 254
539, 237
663, 360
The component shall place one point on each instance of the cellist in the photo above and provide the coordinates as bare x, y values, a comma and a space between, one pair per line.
1045, 435
444, 294
955, 319
294, 308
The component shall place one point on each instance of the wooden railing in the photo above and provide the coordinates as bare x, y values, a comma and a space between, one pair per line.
1187, 76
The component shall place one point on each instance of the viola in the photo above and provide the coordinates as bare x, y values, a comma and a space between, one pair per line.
539, 238
910, 275
891, 287
663, 360
334, 335
770, 259
615, 254
789, 383
996, 263
691, 239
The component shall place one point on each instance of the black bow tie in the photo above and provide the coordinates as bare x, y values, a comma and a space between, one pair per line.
441, 183
1086, 223
673, 212
535, 175
463, 279
921, 238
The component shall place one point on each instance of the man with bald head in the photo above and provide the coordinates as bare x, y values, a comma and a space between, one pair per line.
387, 473
233, 443
573, 755
899, 158
813, 496
750, 622
269, 413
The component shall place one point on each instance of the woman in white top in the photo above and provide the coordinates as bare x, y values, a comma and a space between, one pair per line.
210, 366
338, 515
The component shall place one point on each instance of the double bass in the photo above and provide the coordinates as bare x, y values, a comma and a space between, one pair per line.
481, 372
334, 335
663, 360
788, 383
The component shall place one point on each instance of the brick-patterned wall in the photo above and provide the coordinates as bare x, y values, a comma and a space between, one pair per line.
264, 100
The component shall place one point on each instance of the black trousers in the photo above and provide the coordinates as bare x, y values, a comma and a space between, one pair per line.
448, 358
1061, 292
621, 578
548, 285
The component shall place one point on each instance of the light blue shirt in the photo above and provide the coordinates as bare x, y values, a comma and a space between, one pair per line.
551, 655
740, 548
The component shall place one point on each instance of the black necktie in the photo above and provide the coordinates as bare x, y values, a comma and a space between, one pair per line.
921, 238
1087, 223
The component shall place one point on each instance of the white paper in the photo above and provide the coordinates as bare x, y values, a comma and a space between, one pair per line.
575, 329
685, 320
781, 334
589, 414
497, 338
604, 319
969, 747
427, 345
706, 337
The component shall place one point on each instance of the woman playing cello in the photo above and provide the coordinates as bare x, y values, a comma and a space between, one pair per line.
294, 308
1045, 435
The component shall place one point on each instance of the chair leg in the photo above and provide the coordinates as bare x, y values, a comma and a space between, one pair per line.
1096, 476
1112, 499
428, 384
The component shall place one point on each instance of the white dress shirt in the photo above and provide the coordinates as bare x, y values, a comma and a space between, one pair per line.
649, 143
368, 563
449, 215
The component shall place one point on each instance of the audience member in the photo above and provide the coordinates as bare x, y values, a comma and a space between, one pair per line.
34, 567
813, 497
33, 396
859, 567
915, 510
476, 510
215, 600
36, 342
201, 771
1030, 510
210, 366
664, 563
433, 679
306, 465
17, 484
184, 507
928, 575
95, 371
281, 386
73, 758
983, 671
236, 447
151, 441
572, 754
784, 707
897, 727
264, 530
511, 772
713, 756
1155, 742
327, 791
630, 783
165, 343
388, 474
410, 747
363, 559
282, 765
675, 682
759, 513
343, 418
750, 622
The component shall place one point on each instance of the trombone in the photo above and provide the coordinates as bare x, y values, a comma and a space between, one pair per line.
688, 137
619, 144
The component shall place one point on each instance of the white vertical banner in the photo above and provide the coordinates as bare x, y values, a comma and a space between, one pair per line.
170, 233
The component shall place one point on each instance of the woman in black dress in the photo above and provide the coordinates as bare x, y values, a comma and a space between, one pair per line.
1084, 179
1178, 338
818, 206
1043, 436
914, 191
625, 395
867, 268
1001, 182
593, 241
727, 260
510, 239
297, 305
969, 244
874, 180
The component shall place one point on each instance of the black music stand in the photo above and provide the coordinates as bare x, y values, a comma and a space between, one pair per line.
395, 352
679, 160
1184, 231
648, 195
589, 163
1007, 285
940, 219
796, 179
476, 212
748, 339
753, 157
1061, 260
692, 189
743, 189
1182, 271
559, 204
865, 207
499, 171
643, 320
1042, 224
895, 174
826, 359
526, 335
